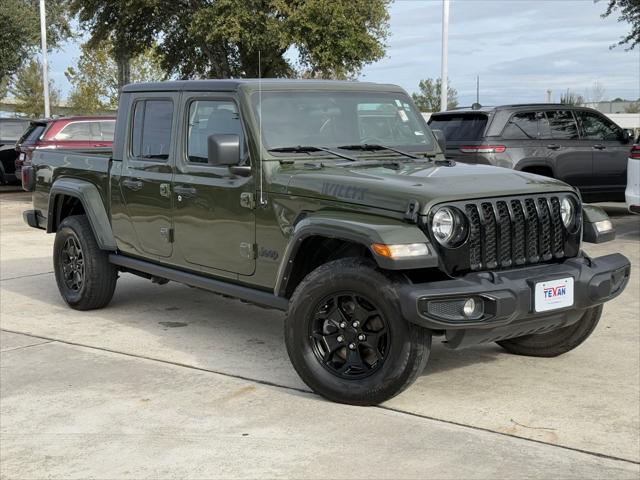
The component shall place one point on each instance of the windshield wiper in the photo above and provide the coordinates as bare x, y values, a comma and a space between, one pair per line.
307, 149
375, 146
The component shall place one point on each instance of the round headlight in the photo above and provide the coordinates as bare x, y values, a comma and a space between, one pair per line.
567, 212
448, 226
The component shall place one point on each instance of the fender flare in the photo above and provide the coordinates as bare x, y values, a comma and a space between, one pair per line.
363, 229
535, 162
90, 198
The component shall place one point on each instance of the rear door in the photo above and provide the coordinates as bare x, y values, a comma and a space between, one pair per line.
214, 215
147, 170
609, 151
461, 130
569, 157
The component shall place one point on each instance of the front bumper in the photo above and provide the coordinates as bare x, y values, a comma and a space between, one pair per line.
508, 299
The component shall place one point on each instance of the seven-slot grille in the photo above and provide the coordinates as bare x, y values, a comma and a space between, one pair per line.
516, 231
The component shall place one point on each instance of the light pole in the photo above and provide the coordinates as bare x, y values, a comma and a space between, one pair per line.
445, 56
45, 62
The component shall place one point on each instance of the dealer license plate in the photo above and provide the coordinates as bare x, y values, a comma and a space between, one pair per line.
554, 294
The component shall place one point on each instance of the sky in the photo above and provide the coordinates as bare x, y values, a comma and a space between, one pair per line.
519, 48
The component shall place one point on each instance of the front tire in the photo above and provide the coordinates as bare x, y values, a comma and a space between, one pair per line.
85, 277
556, 342
346, 338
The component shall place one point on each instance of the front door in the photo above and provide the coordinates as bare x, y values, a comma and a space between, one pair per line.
148, 165
571, 158
213, 208
610, 152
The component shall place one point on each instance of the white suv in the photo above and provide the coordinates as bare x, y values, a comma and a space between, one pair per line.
632, 193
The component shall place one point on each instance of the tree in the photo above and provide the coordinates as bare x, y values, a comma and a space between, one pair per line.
428, 99
224, 38
596, 93
628, 11
571, 98
130, 27
20, 32
633, 108
95, 78
28, 92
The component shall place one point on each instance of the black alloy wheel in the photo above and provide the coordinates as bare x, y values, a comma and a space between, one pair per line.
350, 335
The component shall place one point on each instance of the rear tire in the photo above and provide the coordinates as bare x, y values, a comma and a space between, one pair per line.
346, 338
85, 277
556, 342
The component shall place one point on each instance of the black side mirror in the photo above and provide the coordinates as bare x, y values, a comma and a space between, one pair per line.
223, 149
442, 141
627, 136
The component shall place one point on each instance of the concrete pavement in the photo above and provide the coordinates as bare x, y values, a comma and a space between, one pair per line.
189, 351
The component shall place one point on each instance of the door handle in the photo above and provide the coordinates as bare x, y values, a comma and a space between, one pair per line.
553, 146
599, 147
132, 184
183, 191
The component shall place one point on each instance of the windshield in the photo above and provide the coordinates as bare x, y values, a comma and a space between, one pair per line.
334, 119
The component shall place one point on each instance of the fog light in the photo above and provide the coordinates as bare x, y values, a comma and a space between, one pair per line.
473, 308
469, 307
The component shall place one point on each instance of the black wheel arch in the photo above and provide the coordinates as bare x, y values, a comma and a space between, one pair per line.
69, 196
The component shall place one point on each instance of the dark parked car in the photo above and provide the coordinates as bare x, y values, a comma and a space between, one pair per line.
75, 133
11, 130
577, 145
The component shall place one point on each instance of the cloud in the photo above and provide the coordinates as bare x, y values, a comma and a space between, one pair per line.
520, 48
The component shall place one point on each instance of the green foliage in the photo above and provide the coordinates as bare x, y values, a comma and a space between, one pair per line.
222, 38
20, 32
571, 98
428, 99
28, 92
95, 78
633, 108
628, 11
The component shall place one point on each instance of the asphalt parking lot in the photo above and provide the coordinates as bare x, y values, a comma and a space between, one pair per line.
170, 381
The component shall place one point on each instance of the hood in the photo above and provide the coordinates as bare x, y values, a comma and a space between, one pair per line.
429, 183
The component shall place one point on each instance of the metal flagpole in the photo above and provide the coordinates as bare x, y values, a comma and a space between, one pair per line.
45, 62
445, 56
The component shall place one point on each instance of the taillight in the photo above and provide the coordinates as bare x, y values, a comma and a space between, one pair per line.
635, 152
28, 174
483, 148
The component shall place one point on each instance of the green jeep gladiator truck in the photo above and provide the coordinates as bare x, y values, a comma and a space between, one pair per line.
331, 201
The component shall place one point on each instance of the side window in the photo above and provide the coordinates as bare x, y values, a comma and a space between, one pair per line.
209, 117
522, 126
151, 129
107, 129
78, 131
563, 125
595, 127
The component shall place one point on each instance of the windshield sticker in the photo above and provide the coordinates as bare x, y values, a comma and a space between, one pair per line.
398, 103
403, 116
406, 106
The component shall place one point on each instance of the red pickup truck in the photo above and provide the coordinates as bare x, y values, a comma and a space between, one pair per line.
76, 133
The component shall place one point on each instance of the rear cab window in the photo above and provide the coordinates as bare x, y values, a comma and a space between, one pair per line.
151, 129
460, 126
